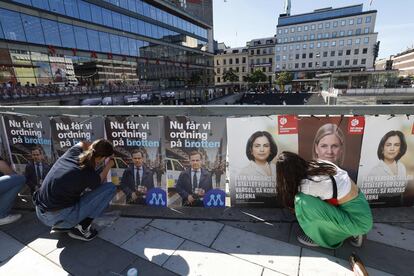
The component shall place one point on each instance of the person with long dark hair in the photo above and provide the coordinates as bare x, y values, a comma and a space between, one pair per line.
327, 203
73, 193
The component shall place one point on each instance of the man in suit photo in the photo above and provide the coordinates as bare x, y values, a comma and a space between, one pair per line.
137, 179
194, 182
36, 170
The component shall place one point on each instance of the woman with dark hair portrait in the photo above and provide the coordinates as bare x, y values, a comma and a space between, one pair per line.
329, 145
327, 203
260, 150
391, 148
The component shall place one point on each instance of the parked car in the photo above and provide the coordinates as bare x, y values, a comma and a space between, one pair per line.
174, 169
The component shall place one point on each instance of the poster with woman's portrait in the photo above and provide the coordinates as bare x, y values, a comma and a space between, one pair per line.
334, 139
254, 145
386, 169
139, 170
195, 161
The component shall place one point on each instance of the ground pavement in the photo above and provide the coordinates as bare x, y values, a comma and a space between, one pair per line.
190, 241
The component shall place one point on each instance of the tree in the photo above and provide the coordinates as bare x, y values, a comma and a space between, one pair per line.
282, 79
230, 76
257, 76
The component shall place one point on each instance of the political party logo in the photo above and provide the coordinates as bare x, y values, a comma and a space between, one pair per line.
356, 125
214, 199
156, 197
287, 124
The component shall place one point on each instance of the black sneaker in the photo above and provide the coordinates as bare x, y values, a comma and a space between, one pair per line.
56, 230
79, 233
305, 240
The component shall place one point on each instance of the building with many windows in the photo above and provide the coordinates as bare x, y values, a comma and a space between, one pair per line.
153, 42
403, 62
234, 59
341, 39
261, 56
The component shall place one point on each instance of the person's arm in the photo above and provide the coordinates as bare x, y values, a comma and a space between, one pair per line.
5, 168
84, 145
180, 186
109, 163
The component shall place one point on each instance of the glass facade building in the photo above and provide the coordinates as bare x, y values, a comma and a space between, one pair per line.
150, 42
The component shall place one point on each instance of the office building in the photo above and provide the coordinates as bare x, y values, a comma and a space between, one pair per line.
340, 39
152, 42
234, 59
403, 62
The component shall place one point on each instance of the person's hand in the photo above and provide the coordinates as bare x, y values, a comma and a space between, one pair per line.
190, 199
134, 196
110, 161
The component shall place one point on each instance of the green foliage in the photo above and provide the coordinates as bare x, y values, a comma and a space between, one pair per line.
257, 76
230, 76
284, 78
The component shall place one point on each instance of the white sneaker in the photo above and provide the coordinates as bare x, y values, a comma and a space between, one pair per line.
356, 241
10, 219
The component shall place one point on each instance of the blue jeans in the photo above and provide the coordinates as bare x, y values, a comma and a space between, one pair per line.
10, 185
90, 205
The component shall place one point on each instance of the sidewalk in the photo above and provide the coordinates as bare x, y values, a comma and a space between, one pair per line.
201, 242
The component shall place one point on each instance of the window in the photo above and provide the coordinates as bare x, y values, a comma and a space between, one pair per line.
332, 63
335, 24
311, 45
84, 11
339, 63
252, 52
341, 33
107, 17
116, 19
292, 30
363, 61
51, 29
319, 36
224, 61
237, 69
358, 31
318, 45
318, 55
218, 79
284, 48
104, 40
324, 64
350, 32
365, 50
310, 64
12, 25
67, 35
327, 25
81, 38
237, 60
243, 69
368, 19
355, 62
297, 46
296, 65
304, 56
269, 69
56, 6
217, 62
356, 51
348, 52
303, 64
317, 64
278, 49
243, 60
258, 51
270, 60
320, 26
351, 22
230, 61
359, 20
366, 30
71, 8
313, 27
41, 4
343, 22
286, 31
325, 43
304, 46
357, 41
332, 53
326, 35
305, 37
297, 56
341, 42
334, 34
279, 31
333, 44
290, 47
340, 53
312, 36
349, 42
310, 55
366, 40
125, 23
93, 38
292, 39
115, 44
347, 62
299, 28
325, 54
298, 38
33, 29
306, 28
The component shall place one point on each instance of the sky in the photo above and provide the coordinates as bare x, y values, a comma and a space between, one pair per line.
239, 21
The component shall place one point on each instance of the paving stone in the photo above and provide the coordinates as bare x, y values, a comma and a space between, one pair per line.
316, 263
194, 259
270, 253
29, 262
153, 244
388, 215
293, 240
381, 256
20, 230
9, 246
274, 230
404, 225
268, 272
45, 243
96, 257
123, 229
146, 268
203, 232
392, 235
